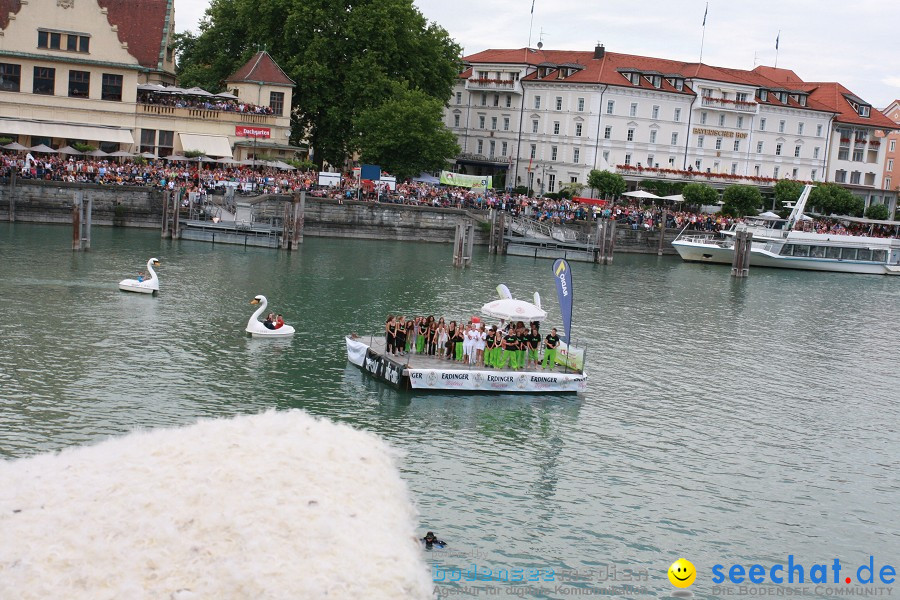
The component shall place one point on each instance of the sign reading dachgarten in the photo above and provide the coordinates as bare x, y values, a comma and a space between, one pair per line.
255, 132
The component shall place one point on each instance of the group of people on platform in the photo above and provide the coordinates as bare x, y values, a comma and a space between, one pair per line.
512, 345
273, 321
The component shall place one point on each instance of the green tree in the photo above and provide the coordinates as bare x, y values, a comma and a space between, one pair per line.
877, 211
740, 200
406, 134
787, 190
608, 184
832, 199
344, 57
699, 194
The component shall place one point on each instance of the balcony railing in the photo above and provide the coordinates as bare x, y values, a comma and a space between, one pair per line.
481, 83
207, 114
728, 104
659, 173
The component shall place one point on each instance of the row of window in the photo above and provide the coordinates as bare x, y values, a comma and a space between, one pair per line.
554, 151
698, 166
840, 176
835, 252
158, 142
58, 40
44, 82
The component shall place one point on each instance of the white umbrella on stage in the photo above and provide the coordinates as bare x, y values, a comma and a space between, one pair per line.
513, 310
674, 198
641, 194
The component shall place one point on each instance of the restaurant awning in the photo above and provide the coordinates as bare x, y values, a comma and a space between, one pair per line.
213, 145
53, 129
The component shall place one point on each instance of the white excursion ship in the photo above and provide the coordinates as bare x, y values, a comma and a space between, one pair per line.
777, 244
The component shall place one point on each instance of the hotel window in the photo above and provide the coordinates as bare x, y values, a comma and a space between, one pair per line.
797, 151
887, 182
799, 128
480, 146
555, 127
112, 87
675, 138
857, 155
577, 129
537, 102
483, 99
718, 143
762, 124
10, 77
892, 146
576, 155
553, 152
780, 126
459, 97
494, 123
610, 106
756, 170
630, 135
698, 164
816, 152
533, 151
721, 120
508, 101
677, 116
819, 130
740, 122
148, 140
706, 92
580, 104
496, 99
481, 122
777, 149
505, 123
679, 84
734, 168
654, 113
607, 133
741, 96
812, 174
671, 161
559, 103
843, 153
606, 155
627, 159
79, 84
650, 159
573, 179
703, 118
699, 141
503, 148
534, 126
759, 147
854, 177
794, 173
890, 165
551, 182
456, 120
775, 173
633, 111
840, 176
763, 95
492, 148
276, 102
44, 81
737, 145
652, 136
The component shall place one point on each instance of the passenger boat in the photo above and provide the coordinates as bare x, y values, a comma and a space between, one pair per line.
776, 243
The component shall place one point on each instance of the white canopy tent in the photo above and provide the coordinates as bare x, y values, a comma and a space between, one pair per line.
509, 309
642, 194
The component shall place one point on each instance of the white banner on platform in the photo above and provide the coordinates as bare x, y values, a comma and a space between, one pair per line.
496, 381
356, 352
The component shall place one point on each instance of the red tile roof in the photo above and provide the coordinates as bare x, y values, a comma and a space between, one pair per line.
826, 97
142, 24
6, 7
262, 68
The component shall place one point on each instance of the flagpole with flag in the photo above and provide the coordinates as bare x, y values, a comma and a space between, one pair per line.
531, 27
703, 37
777, 39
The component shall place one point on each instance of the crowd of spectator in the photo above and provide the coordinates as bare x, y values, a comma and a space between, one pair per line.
201, 102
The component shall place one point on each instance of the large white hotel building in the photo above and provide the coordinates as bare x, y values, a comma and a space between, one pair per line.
544, 118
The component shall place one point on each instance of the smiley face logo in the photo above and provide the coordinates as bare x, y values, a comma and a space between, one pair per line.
682, 573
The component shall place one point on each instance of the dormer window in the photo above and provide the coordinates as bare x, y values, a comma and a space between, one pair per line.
635, 79
782, 97
679, 84
763, 95
802, 99
864, 110
656, 80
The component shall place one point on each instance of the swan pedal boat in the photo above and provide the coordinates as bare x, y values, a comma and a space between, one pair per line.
255, 327
147, 286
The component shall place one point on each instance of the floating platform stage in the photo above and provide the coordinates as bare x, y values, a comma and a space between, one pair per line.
422, 372
231, 232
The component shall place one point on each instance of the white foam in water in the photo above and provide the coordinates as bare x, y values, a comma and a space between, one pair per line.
276, 505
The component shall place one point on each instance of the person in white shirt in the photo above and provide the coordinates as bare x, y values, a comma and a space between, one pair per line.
480, 337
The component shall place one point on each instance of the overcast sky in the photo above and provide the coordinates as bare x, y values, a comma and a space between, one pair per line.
854, 43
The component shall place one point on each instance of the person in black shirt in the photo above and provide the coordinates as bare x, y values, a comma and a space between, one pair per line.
534, 345
431, 541
551, 343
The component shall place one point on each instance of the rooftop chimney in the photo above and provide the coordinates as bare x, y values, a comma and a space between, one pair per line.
599, 51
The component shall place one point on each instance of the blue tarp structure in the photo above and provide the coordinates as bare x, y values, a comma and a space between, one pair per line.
370, 172
426, 178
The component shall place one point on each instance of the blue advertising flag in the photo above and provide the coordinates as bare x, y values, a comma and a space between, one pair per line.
563, 276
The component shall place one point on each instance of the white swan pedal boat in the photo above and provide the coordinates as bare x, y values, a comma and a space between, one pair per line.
255, 327
149, 285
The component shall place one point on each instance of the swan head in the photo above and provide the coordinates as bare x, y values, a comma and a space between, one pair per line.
257, 300
155, 262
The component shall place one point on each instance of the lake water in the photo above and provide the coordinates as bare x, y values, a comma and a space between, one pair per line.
725, 421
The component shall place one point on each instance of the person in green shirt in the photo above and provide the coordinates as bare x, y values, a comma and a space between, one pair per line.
534, 346
551, 343
510, 350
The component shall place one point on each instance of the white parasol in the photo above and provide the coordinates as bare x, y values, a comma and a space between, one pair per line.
641, 194
513, 310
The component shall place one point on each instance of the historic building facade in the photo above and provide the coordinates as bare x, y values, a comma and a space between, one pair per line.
545, 118
891, 141
95, 72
